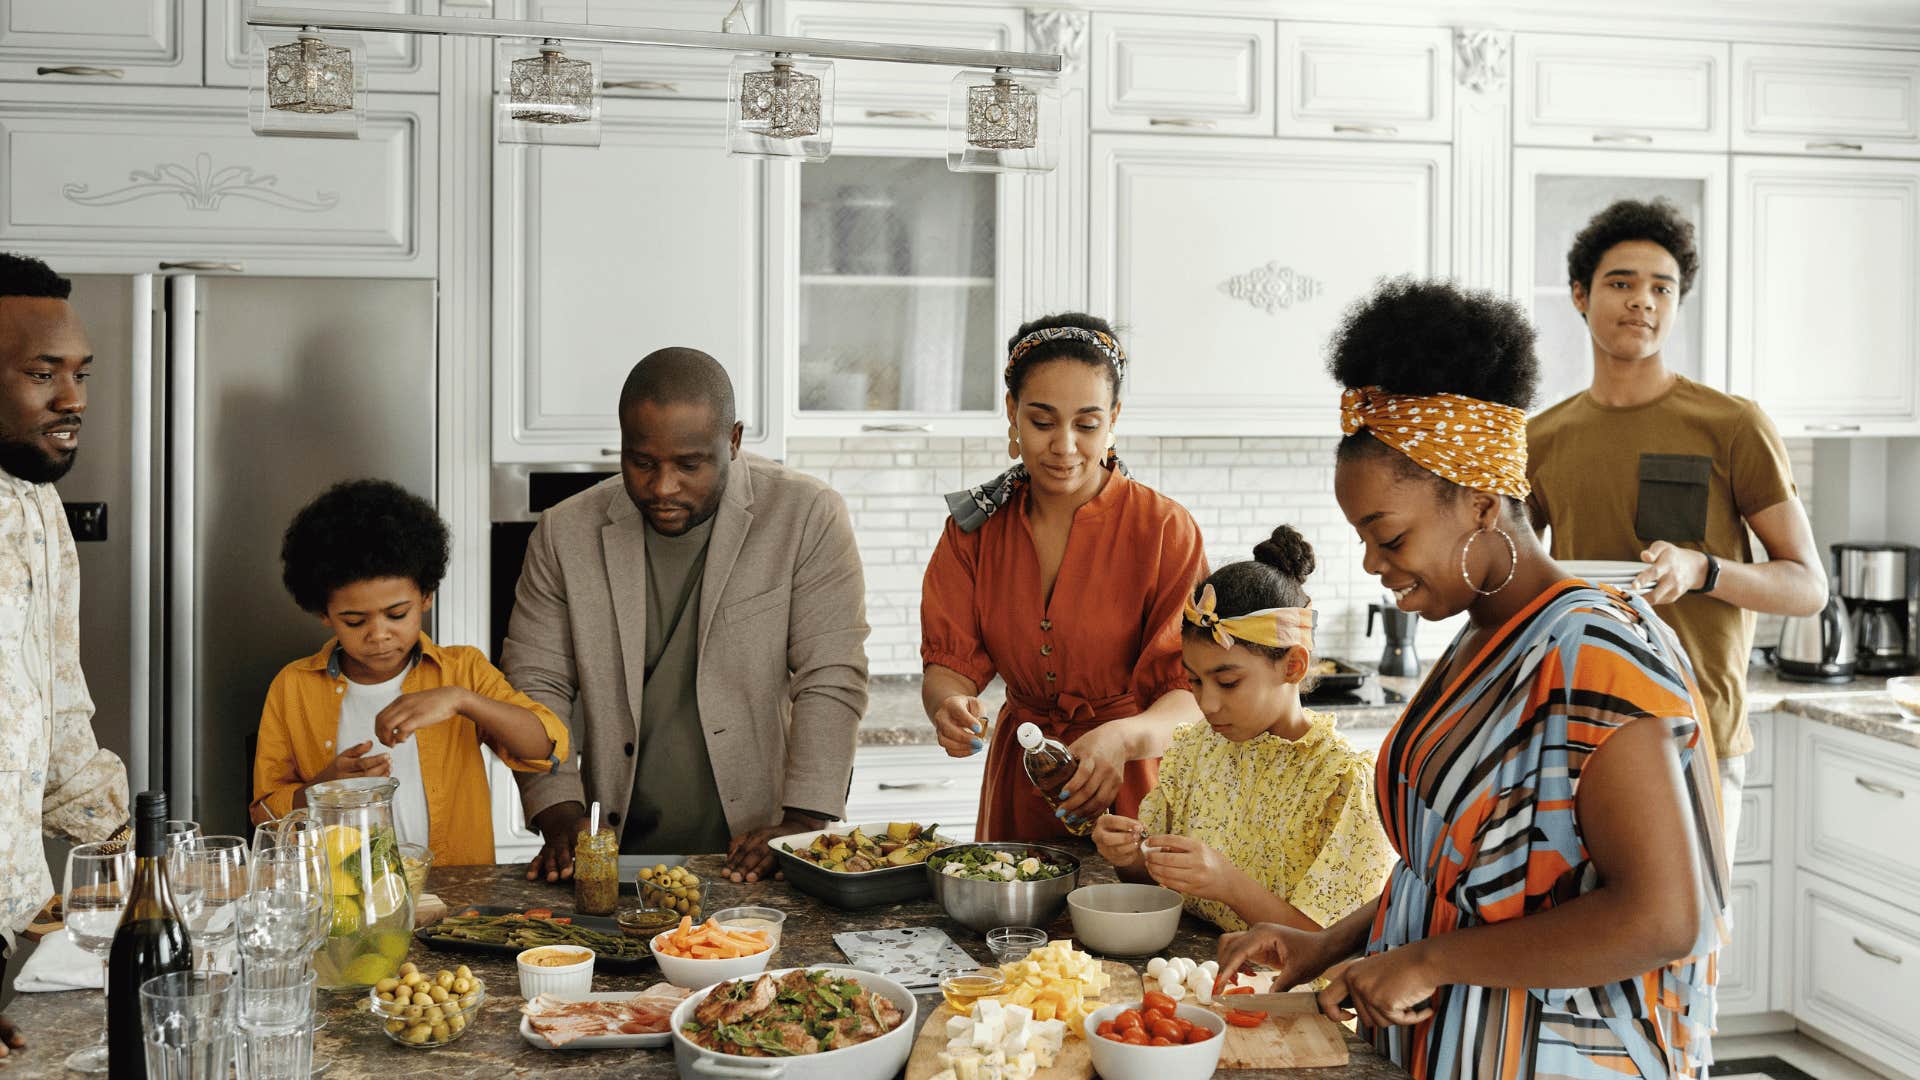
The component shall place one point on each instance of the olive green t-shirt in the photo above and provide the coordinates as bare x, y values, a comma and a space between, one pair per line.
1689, 468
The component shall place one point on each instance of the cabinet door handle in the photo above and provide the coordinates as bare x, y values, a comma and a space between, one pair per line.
1833, 427
1181, 122
1622, 137
640, 84
605, 452
206, 264
1879, 788
917, 785
1367, 129
1850, 146
1878, 954
900, 114
928, 428
82, 71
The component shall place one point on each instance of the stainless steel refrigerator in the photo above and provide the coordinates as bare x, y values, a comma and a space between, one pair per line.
218, 406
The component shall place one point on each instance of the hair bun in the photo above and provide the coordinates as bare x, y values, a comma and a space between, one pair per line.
1286, 551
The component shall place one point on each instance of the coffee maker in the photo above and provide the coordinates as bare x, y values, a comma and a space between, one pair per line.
1398, 658
1881, 585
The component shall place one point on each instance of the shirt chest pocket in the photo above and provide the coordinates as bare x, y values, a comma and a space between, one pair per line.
1672, 498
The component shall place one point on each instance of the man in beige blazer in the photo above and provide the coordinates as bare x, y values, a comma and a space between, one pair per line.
700, 624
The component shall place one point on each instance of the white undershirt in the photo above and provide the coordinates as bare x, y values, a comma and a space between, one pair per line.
358, 707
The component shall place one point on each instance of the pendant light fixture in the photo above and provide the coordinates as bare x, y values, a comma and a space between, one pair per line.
780, 107
548, 96
308, 85
997, 122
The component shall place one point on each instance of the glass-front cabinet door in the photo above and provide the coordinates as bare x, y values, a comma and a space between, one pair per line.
900, 291
1555, 193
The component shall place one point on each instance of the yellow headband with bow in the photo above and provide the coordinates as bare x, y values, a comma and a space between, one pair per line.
1276, 628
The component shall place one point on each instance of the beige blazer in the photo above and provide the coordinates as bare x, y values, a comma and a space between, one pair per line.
783, 630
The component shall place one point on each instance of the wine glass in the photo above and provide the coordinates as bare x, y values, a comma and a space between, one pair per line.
181, 833
298, 869
212, 877
98, 877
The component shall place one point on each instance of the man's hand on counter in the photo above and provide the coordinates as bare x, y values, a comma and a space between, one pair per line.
749, 859
558, 825
10, 1039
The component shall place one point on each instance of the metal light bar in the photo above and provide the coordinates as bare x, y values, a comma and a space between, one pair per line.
821, 48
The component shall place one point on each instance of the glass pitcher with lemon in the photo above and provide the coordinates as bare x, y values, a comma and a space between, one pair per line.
372, 924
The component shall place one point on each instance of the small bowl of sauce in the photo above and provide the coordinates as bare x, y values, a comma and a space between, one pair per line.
961, 986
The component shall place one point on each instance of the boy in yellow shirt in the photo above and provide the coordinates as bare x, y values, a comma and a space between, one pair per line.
365, 558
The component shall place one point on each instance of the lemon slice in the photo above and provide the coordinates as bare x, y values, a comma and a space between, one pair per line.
385, 896
370, 968
346, 917
343, 884
342, 841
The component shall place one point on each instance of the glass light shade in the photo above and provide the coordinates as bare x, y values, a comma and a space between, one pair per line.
308, 84
547, 94
1001, 122
780, 107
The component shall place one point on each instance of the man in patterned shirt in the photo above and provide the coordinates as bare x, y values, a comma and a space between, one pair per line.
54, 778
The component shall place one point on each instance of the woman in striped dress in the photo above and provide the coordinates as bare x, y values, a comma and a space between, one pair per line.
1561, 888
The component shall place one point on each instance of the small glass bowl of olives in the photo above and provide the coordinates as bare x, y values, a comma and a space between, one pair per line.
424, 1011
672, 888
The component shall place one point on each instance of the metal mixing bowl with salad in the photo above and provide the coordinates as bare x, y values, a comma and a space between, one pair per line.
986, 864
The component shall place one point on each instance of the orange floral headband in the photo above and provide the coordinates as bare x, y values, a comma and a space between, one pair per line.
1276, 628
1476, 444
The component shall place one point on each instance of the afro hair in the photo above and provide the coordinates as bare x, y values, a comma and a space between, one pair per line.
361, 530
1658, 221
1434, 337
22, 275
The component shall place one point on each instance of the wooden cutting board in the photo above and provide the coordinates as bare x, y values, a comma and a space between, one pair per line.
1075, 1061
1288, 1041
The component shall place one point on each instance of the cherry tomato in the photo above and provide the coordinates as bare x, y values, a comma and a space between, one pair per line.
1163, 1029
1148, 1016
1106, 1028
1114, 1035
1198, 1034
1156, 1000
1158, 1040
1134, 1036
1245, 1018
1128, 1020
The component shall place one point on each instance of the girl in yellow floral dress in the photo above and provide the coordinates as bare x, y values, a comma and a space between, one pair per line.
1264, 813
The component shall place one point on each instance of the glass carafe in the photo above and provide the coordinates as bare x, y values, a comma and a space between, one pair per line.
372, 924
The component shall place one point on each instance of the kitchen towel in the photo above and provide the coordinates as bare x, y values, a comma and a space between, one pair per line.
913, 957
58, 964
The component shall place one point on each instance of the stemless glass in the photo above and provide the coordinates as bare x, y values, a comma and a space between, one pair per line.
97, 879
188, 1019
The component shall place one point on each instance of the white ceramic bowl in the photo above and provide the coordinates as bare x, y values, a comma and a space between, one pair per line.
1905, 692
875, 1059
1124, 919
1125, 1061
695, 974
571, 980
745, 918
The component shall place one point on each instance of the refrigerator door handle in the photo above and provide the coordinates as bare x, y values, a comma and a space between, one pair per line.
140, 533
182, 666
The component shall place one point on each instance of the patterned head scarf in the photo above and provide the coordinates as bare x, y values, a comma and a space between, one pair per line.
972, 507
1476, 444
1276, 628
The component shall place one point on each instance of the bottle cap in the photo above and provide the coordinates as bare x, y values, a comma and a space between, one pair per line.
1029, 736
150, 806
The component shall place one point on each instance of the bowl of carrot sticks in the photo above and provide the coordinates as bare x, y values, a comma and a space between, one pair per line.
695, 956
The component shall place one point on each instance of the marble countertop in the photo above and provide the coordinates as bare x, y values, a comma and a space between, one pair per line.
58, 1023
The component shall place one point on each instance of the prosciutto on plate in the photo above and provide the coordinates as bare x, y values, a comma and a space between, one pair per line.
560, 1020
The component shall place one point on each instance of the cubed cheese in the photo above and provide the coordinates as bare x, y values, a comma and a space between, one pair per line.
989, 1025
959, 1027
1048, 1037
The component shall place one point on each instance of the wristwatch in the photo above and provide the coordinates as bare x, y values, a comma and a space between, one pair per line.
1713, 576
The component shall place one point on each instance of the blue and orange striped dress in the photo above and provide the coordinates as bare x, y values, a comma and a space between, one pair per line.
1477, 784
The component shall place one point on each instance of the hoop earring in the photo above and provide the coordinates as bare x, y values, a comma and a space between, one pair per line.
1013, 442
1513, 560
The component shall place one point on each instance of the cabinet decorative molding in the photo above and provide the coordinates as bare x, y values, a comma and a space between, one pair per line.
201, 188
1063, 32
1483, 60
1272, 288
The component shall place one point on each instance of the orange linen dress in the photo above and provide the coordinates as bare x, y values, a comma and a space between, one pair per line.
1105, 647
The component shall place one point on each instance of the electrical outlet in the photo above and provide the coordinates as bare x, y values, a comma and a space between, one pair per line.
87, 520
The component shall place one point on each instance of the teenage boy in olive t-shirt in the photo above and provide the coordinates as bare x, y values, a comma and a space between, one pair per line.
1647, 465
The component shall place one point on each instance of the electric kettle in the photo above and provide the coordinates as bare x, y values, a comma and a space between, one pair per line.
1817, 648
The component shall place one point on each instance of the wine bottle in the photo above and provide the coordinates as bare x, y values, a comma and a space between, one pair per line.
150, 940
1049, 764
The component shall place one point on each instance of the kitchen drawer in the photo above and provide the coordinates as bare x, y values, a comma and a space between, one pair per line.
1857, 972
409, 62
97, 183
1793, 99
1767, 728
1365, 82
1754, 844
643, 71
917, 783
1746, 961
1627, 93
1176, 73
913, 95
143, 41
1859, 812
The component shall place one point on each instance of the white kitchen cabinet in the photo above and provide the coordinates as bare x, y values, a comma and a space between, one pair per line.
1797, 99
912, 95
1857, 972
1633, 93
111, 42
1745, 962
395, 62
601, 256
1826, 293
1858, 807
643, 71
99, 183
1754, 844
1555, 193
1179, 73
1229, 261
917, 783
1365, 82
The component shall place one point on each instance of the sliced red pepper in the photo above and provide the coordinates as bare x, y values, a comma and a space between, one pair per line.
1236, 990
1245, 1018
539, 913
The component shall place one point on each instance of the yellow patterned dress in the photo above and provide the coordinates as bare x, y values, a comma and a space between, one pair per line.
1296, 815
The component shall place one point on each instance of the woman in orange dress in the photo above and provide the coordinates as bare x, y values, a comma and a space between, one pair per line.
1066, 579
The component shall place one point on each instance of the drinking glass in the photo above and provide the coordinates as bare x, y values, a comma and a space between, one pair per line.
297, 870
207, 878
276, 997
188, 1020
181, 832
97, 879
277, 1055
276, 927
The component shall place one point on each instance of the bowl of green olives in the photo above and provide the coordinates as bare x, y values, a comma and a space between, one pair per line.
672, 888
424, 1011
